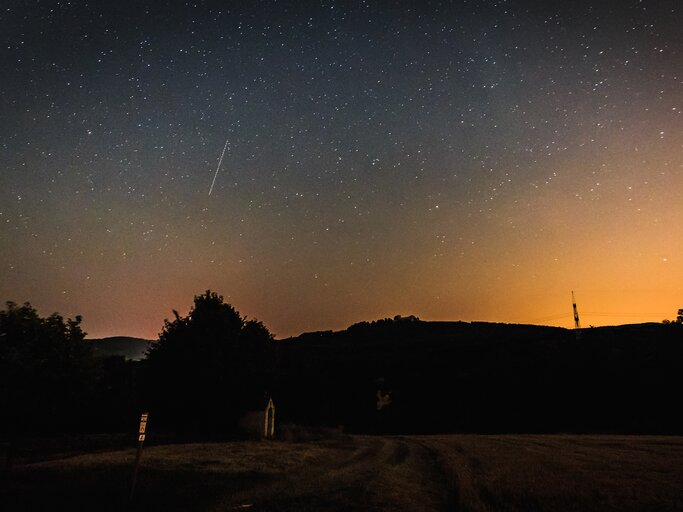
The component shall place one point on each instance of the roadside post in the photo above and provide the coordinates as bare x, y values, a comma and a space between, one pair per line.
138, 456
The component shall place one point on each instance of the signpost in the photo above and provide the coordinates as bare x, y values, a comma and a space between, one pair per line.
138, 456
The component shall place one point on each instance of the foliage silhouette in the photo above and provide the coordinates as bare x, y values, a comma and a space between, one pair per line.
47, 371
210, 366
207, 367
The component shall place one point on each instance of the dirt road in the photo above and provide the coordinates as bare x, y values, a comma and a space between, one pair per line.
354, 473
340, 474
560, 472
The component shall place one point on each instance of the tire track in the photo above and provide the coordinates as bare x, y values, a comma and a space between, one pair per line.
456, 469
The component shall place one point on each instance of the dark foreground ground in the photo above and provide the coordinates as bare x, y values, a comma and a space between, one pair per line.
454, 472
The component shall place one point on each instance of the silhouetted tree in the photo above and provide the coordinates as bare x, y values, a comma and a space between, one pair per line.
679, 318
208, 365
46, 371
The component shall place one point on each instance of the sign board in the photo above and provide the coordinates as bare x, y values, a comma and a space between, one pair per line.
143, 427
143, 422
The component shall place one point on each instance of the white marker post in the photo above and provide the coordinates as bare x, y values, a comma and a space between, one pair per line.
138, 456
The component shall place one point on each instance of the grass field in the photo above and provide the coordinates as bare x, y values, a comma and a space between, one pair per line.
454, 472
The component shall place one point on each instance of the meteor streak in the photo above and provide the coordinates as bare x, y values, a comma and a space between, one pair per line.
219, 166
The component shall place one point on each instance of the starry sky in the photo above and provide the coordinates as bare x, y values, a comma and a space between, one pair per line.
473, 160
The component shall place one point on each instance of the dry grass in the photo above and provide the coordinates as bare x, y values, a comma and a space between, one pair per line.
356, 473
458, 472
562, 473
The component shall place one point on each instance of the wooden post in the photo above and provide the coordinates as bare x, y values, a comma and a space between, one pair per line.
138, 456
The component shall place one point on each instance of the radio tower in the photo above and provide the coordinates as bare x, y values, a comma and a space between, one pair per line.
577, 325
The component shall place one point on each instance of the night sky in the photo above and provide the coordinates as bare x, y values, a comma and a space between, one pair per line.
456, 161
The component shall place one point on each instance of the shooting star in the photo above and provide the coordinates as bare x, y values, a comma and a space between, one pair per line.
219, 166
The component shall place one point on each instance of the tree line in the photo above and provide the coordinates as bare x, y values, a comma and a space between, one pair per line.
397, 375
205, 369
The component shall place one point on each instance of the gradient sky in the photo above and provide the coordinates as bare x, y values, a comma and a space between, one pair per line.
457, 161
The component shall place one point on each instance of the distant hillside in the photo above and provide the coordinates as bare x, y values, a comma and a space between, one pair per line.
130, 348
430, 377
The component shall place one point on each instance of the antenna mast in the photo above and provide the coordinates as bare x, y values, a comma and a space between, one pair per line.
577, 325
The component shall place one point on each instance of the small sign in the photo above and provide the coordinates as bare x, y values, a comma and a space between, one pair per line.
143, 423
141, 437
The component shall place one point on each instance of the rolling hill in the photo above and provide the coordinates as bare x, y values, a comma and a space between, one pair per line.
130, 348
483, 377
